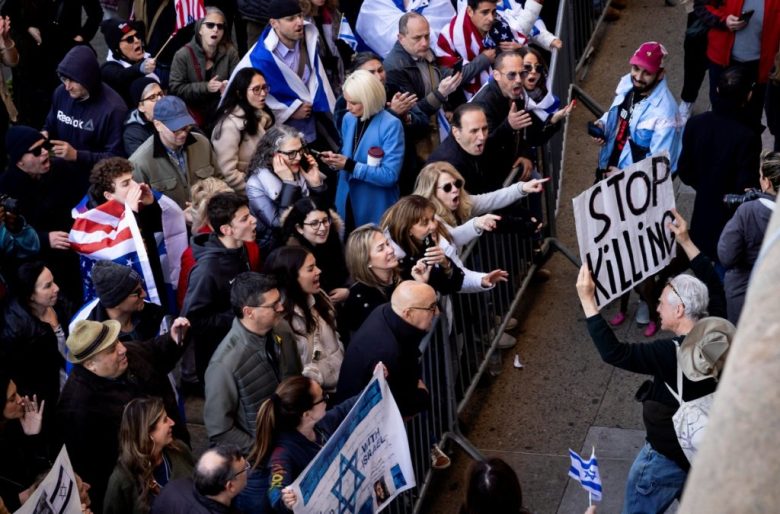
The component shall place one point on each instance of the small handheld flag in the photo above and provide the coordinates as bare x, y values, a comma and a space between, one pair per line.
586, 472
346, 34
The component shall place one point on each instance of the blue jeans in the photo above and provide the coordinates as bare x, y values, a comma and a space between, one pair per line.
654, 482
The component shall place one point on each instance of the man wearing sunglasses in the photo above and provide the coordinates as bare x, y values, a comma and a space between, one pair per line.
46, 192
391, 335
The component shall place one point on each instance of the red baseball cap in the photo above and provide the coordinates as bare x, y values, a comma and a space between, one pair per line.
649, 56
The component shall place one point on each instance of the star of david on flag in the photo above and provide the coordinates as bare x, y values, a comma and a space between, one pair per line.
586, 472
347, 499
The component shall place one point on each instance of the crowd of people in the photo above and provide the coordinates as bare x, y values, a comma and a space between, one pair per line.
262, 222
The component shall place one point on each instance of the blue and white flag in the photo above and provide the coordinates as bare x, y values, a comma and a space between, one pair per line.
288, 90
346, 34
586, 472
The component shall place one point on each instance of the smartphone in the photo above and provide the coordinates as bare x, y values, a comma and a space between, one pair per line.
314, 152
428, 242
458, 66
746, 15
595, 130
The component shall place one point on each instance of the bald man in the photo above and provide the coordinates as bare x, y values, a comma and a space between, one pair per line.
220, 474
391, 335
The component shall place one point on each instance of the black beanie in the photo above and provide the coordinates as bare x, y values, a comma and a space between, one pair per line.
137, 89
18, 140
278, 9
113, 282
114, 30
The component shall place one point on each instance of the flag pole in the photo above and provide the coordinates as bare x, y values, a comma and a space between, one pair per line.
164, 45
590, 494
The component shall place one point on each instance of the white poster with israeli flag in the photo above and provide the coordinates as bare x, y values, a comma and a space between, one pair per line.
58, 493
623, 226
365, 464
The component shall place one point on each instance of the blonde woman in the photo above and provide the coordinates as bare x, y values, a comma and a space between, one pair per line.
368, 185
464, 215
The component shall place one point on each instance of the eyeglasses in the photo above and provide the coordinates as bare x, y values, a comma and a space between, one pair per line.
247, 467
36, 152
153, 97
512, 75
325, 398
214, 25
432, 308
129, 39
265, 88
137, 292
273, 306
448, 186
528, 68
674, 290
292, 154
324, 222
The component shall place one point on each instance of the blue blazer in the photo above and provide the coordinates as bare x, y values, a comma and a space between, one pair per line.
370, 189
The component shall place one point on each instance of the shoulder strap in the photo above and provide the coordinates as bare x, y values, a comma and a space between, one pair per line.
678, 395
195, 63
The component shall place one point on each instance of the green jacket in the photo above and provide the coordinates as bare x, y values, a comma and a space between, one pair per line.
123, 491
154, 166
243, 372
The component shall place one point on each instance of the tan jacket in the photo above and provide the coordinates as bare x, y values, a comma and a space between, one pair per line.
234, 147
154, 167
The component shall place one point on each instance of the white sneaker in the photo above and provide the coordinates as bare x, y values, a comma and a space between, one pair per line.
642, 313
684, 111
511, 325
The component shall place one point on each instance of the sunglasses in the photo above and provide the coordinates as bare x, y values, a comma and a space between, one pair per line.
130, 39
265, 88
432, 308
36, 152
247, 467
538, 68
512, 75
154, 97
448, 186
674, 290
214, 25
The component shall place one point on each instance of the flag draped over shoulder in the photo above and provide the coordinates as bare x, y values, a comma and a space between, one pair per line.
586, 472
460, 39
545, 107
110, 232
288, 91
188, 11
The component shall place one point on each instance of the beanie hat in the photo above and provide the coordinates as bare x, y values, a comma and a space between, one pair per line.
113, 282
278, 9
18, 140
649, 56
137, 89
114, 30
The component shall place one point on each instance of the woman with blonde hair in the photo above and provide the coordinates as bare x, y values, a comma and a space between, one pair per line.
372, 152
464, 215
374, 267
149, 457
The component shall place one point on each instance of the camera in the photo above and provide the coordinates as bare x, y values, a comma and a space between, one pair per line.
732, 201
10, 204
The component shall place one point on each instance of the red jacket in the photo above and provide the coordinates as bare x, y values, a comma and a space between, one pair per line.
721, 39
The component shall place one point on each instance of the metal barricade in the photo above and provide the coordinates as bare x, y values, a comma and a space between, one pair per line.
457, 352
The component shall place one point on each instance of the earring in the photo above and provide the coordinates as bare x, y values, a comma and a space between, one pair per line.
369, 266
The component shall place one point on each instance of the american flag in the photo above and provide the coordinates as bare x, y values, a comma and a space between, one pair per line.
110, 232
188, 11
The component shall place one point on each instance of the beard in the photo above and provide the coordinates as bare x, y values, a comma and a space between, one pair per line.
644, 89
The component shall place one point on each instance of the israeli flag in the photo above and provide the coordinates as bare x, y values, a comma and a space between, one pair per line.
586, 472
346, 34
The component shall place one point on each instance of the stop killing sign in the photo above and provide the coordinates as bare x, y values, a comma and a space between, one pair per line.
622, 226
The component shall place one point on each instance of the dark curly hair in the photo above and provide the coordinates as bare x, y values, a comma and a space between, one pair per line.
105, 172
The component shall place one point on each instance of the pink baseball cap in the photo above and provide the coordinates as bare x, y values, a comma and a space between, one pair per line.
649, 56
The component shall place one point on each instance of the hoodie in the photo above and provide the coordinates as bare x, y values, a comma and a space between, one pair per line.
93, 126
207, 302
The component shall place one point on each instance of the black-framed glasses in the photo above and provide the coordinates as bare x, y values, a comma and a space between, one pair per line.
247, 467
273, 306
138, 291
512, 75
325, 398
214, 25
130, 39
292, 154
265, 88
458, 184
324, 222
154, 97
36, 152
431, 308
538, 68
674, 290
